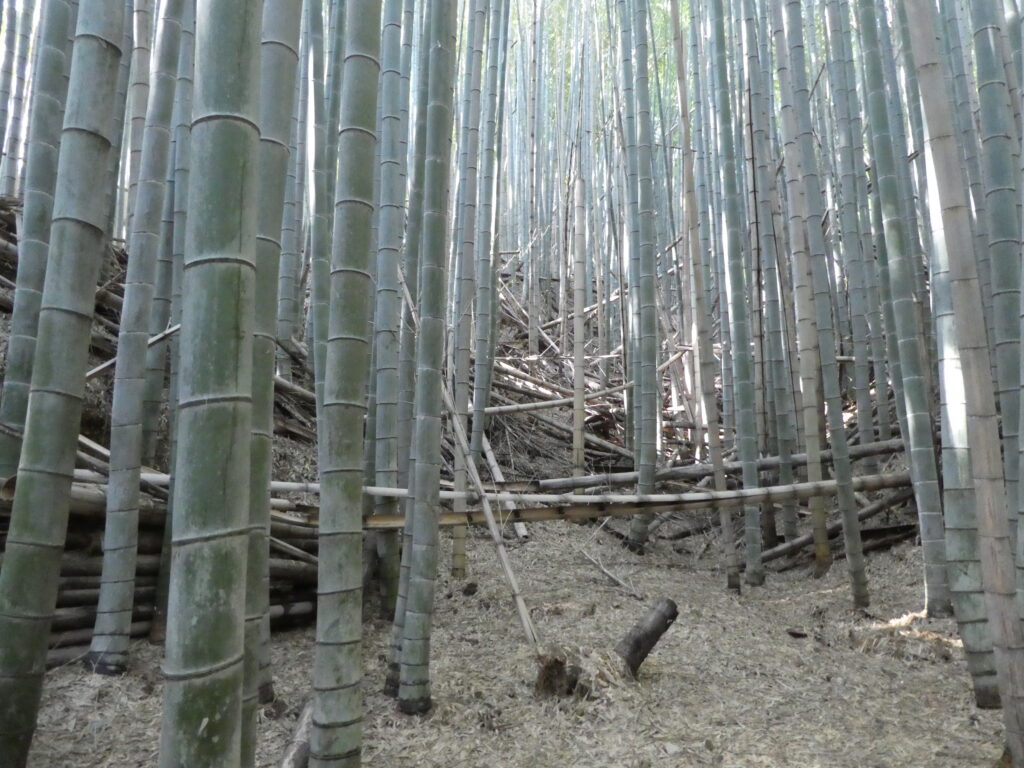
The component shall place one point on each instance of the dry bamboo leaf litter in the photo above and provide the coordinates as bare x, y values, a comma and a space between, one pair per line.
728, 685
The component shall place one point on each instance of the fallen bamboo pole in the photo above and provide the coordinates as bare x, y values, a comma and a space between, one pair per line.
833, 529
294, 389
695, 471
152, 341
655, 503
463, 443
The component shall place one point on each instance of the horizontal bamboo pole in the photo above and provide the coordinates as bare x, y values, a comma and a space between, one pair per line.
694, 471
656, 503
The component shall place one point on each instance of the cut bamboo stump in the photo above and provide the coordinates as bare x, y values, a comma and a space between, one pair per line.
564, 673
641, 639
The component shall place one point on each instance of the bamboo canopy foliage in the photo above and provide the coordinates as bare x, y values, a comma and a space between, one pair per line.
483, 263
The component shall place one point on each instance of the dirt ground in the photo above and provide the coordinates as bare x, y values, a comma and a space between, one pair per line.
784, 675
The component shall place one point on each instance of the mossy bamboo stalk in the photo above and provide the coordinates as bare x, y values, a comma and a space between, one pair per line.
203, 667
34, 235
337, 708
113, 617
29, 576
414, 685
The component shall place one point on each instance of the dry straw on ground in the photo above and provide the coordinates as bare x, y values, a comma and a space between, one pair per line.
784, 675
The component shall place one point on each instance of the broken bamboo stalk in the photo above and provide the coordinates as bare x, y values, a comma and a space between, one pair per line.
498, 476
638, 643
152, 341
462, 441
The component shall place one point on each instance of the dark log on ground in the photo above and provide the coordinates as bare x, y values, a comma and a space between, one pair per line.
296, 755
93, 582
73, 597
834, 528
84, 636
641, 639
74, 643
84, 616
149, 565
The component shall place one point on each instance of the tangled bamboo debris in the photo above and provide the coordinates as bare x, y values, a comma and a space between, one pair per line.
593, 440
568, 401
510, 370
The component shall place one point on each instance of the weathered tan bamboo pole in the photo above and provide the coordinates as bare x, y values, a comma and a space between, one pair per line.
653, 504
698, 471
462, 441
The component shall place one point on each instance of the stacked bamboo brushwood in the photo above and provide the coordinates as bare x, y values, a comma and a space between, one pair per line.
293, 560
292, 573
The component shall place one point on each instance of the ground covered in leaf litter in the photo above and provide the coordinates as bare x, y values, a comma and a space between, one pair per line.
784, 675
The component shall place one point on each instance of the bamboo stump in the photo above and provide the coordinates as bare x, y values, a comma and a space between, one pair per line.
641, 639
565, 673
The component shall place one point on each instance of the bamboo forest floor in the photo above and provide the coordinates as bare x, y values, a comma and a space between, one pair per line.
784, 675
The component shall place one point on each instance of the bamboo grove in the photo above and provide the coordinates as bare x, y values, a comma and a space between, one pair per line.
782, 232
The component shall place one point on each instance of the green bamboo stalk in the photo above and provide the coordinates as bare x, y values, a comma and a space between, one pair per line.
909, 333
19, 97
407, 354
743, 380
35, 541
182, 163
203, 667
138, 99
337, 709
999, 176
649, 400
952, 231
278, 66
109, 649
34, 235
414, 685
387, 314
487, 229
806, 338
